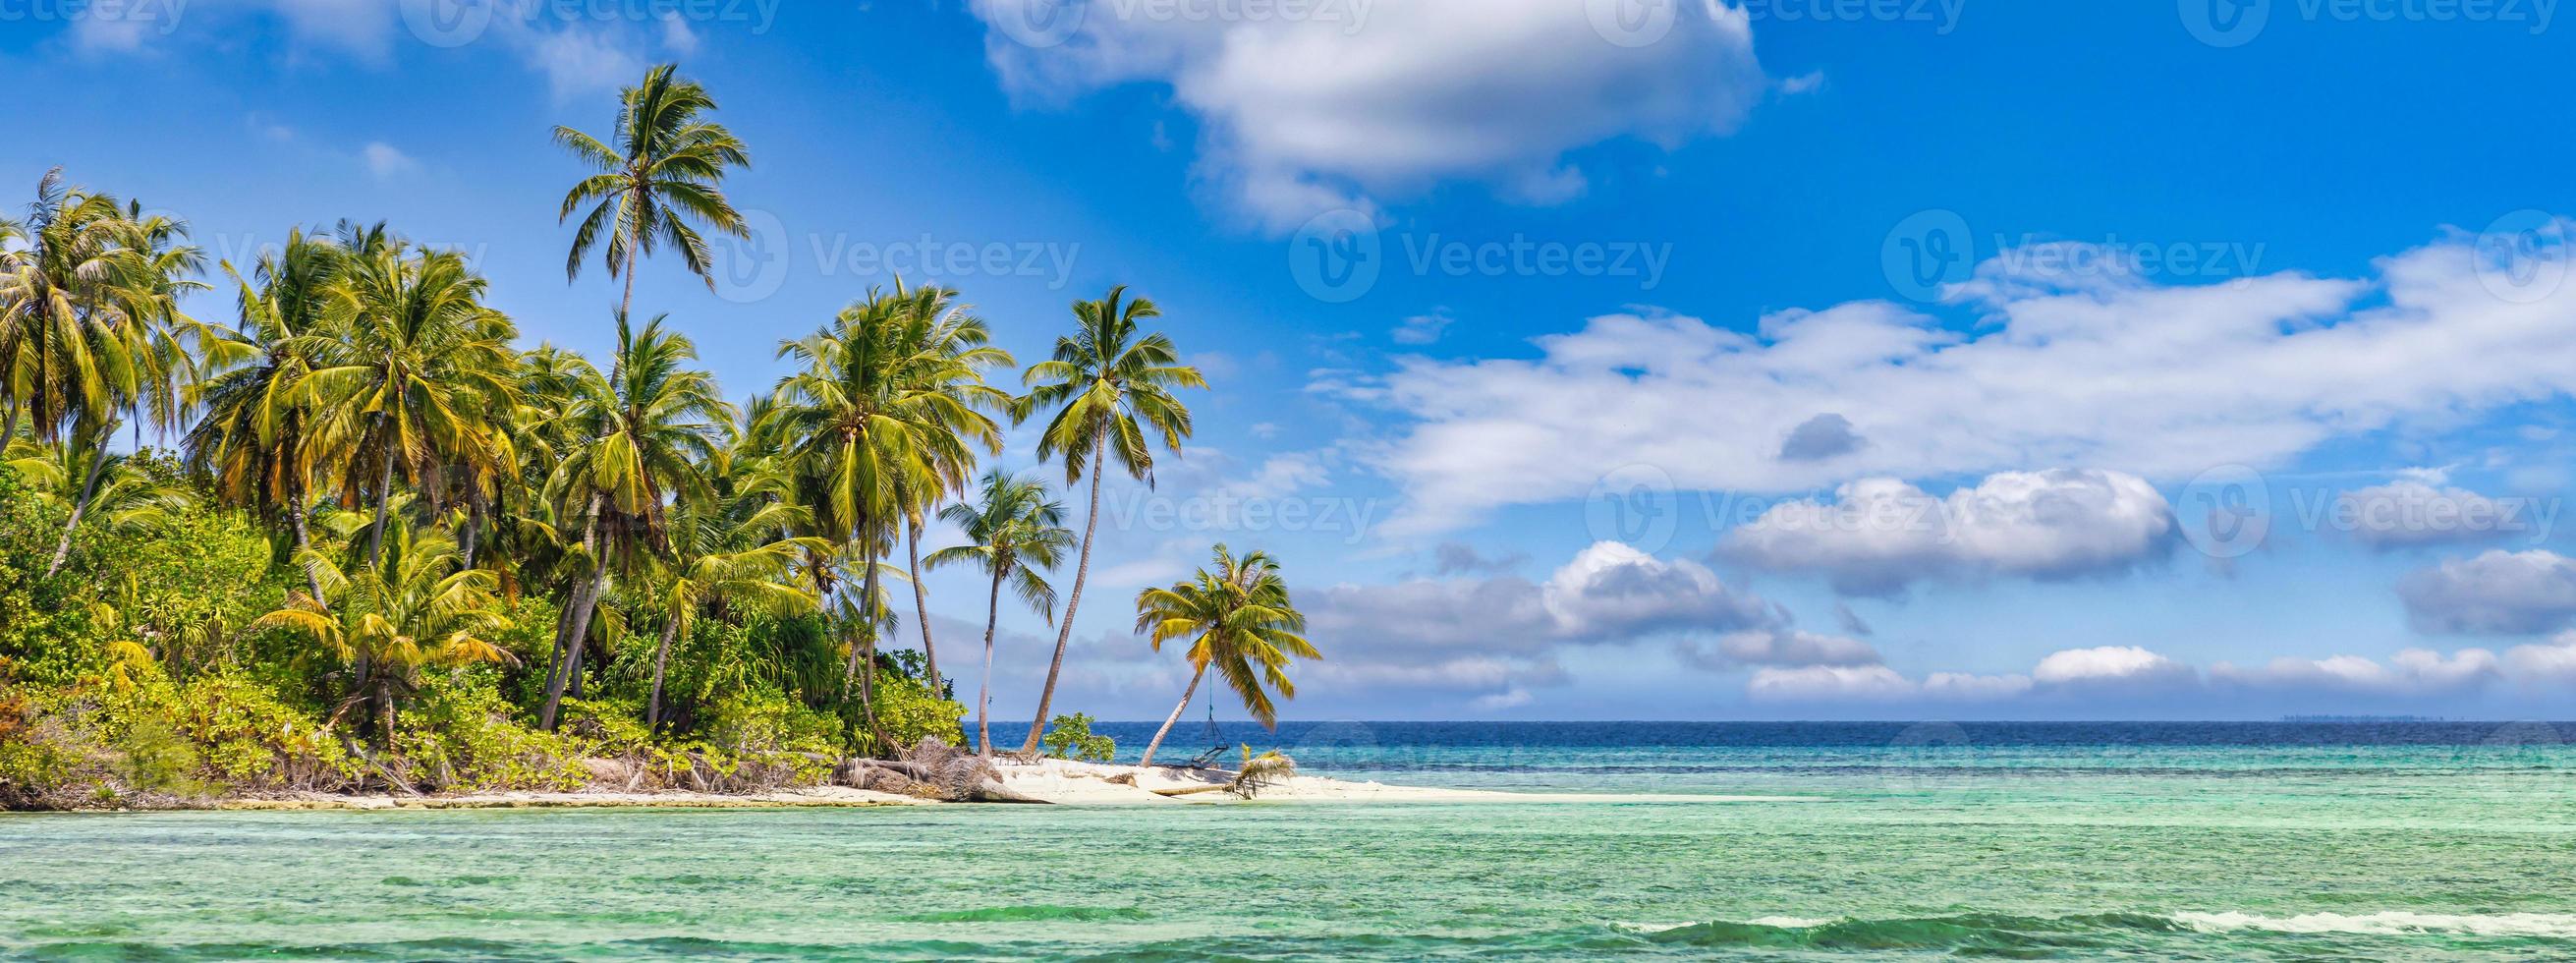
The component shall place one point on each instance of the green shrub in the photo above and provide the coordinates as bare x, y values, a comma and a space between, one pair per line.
459, 736
1070, 737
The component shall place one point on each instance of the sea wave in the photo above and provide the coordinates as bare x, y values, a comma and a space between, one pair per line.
2392, 922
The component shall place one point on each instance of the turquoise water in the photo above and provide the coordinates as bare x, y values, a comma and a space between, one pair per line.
2016, 842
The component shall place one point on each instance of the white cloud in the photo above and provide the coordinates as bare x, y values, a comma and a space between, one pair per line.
1879, 535
2409, 512
1423, 329
676, 35
1337, 105
386, 162
2411, 672
1878, 683
1780, 647
2109, 664
1612, 591
2500, 592
2162, 382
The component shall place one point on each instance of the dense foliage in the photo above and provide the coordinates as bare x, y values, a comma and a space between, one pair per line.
364, 538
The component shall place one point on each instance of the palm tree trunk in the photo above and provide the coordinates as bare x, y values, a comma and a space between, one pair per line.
303, 544
871, 614
661, 656
1081, 569
921, 604
585, 596
384, 497
1175, 719
627, 306
473, 524
89, 489
984, 695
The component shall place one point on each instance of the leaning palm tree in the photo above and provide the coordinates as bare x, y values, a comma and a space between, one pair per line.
1240, 622
1014, 535
123, 494
651, 423
415, 610
1108, 386
664, 171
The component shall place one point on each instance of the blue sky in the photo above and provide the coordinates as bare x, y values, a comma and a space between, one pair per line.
1806, 360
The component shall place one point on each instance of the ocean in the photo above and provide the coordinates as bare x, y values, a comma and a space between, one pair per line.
2394, 841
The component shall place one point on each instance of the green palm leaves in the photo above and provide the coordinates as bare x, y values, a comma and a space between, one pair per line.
1014, 533
1239, 621
887, 412
650, 423
418, 609
1106, 387
663, 172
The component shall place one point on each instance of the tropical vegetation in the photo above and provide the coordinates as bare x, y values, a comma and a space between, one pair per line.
334, 525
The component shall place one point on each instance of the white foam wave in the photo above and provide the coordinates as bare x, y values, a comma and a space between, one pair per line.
2392, 922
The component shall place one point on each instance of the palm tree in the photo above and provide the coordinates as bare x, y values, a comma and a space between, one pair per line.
123, 495
729, 550
89, 322
1017, 533
665, 171
257, 442
651, 423
956, 336
415, 609
889, 405
412, 373
1103, 381
1244, 625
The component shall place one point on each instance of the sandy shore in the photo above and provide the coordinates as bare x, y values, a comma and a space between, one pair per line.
1050, 780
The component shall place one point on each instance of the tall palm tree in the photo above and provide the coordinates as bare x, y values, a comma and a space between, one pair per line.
411, 375
953, 333
652, 422
1016, 534
889, 405
1243, 625
1108, 385
664, 171
257, 440
416, 609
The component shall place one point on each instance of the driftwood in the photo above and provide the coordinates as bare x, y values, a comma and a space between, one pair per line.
934, 770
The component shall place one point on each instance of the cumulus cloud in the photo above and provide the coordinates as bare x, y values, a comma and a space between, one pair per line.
2117, 675
2111, 665
1878, 683
1492, 634
2408, 513
2121, 373
1877, 536
1819, 438
1339, 105
1778, 647
2497, 593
